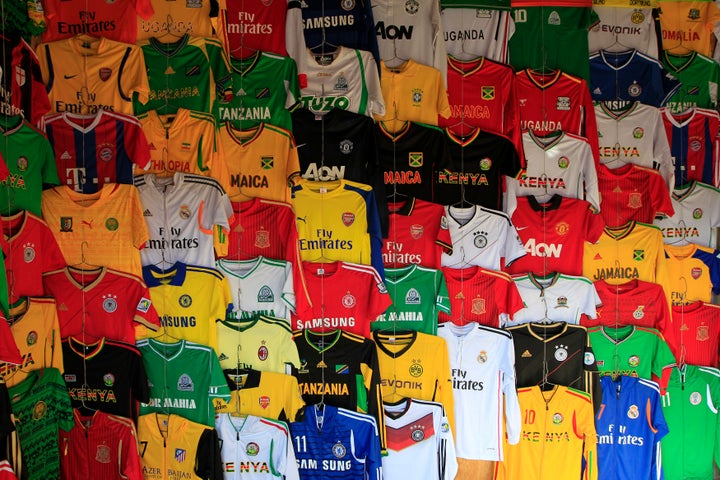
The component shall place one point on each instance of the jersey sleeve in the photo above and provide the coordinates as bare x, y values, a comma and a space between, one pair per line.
294, 37
585, 428
291, 355
136, 145
292, 168
513, 302
662, 155
63, 407
285, 461
657, 424
443, 104
660, 195
208, 460
591, 300
444, 392
378, 298
590, 123
373, 458
220, 66
216, 210
222, 301
662, 361
443, 238
218, 384
49, 170
140, 232
370, 367
375, 232
140, 388
591, 375
446, 450
145, 313
288, 292
376, 103
130, 465
133, 77
293, 401
590, 179
442, 298
514, 248
144, 9
513, 424
594, 225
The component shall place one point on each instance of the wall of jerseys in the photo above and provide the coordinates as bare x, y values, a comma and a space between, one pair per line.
359, 239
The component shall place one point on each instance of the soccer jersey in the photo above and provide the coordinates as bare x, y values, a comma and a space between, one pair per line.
621, 28
265, 394
262, 162
345, 78
184, 378
189, 300
84, 74
31, 251
41, 407
104, 375
699, 76
694, 138
482, 362
100, 446
471, 31
22, 92
558, 439
27, 166
688, 25
697, 215
630, 425
100, 303
630, 251
264, 86
633, 302
91, 151
481, 236
694, 334
693, 273
177, 18
116, 238
418, 294
554, 234
180, 213
255, 448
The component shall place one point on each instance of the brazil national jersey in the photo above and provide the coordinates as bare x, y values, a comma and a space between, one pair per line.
697, 215
630, 425
184, 378
688, 26
558, 437
335, 443
265, 394
84, 74
634, 302
699, 76
693, 273
41, 407
694, 333
27, 166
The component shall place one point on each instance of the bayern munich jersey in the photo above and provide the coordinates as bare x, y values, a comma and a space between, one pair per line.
693, 273
694, 333
696, 217
694, 138
482, 362
699, 76
265, 394
634, 302
473, 30
255, 448
181, 212
621, 28
688, 26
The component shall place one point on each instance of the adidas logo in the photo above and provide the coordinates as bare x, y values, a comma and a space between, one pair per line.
147, 213
152, 146
169, 70
321, 364
597, 257
223, 357
62, 307
597, 91
526, 354
241, 92
65, 156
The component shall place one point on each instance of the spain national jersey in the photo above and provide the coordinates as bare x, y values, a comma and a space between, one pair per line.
91, 151
471, 30
694, 333
693, 273
84, 74
265, 394
634, 302
697, 215
694, 138
699, 76
688, 26
177, 18
621, 28
24, 92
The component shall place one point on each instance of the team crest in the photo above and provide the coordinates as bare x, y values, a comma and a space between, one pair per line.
634, 361
66, 224
637, 17
557, 418
346, 147
563, 162
638, 133
39, 410
695, 398
696, 272
22, 163
416, 231
109, 303
262, 353
417, 95
193, 3
105, 73
185, 383
28, 252
111, 224
105, 153
697, 213
562, 228
109, 379
418, 434
412, 7
180, 455
487, 93
102, 454
639, 312
589, 358
415, 369
563, 103
695, 145
184, 212
633, 412
635, 200
638, 255
185, 300
348, 218
412, 297
482, 356
415, 159
562, 302
554, 18
265, 295
480, 239
703, 333
267, 163
264, 401
561, 353
338, 450
31, 338
20, 75
635, 90
348, 300
252, 449
485, 164
144, 305
478, 306
694, 14
347, 5
262, 239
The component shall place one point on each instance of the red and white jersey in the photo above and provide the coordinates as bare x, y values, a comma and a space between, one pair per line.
635, 134
340, 295
554, 234
418, 234
478, 295
481, 236
694, 334
6, 471
558, 163
31, 251
635, 302
477, 32
556, 297
622, 28
697, 215
632, 193
181, 212
694, 137
556, 101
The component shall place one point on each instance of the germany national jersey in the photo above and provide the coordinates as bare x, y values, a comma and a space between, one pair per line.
84, 74
23, 91
693, 273
27, 166
180, 213
697, 215
104, 375
622, 28
634, 302
688, 26
93, 150
184, 379
699, 76
694, 333
264, 86
265, 394
177, 18
471, 29
554, 234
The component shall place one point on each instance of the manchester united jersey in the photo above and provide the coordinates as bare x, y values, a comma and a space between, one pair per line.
697, 215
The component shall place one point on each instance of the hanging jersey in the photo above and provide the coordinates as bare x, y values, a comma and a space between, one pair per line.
482, 362
699, 76
180, 213
262, 343
696, 215
554, 234
694, 334
177, 19
265, 394
184, 379
83, 75
23, 91
693, 273
471, 30
112, 218
634, 302
481, 236
688, 26
264, 86
621, 28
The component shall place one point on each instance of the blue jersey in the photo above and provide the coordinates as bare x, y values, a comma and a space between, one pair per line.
630, 425
336, 444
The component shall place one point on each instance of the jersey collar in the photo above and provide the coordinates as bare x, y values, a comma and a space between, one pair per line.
406, 339
331, 338
552, 204
155, 276
169, 49
252, 380
547, 332
683, 191
86, 351
542, 80
406, 207
605, 55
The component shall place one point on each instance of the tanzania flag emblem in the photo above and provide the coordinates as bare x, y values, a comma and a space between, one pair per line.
191, 71
66, 224
415, 159
267, 163
263, 93
638, 255
488, 93
342, 369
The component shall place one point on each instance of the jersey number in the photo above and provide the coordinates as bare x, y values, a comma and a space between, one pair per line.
300, 443
143, 447
529, 417
520, 15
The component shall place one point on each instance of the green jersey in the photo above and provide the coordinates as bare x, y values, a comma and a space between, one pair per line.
184, 378
41, 406
690, 406
699, 76
418, 295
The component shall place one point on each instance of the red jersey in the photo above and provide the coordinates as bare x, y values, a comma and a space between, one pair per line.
9, 352
632, 192
556, 101
6, 471
100, 446
635, 302
31, 251
480, 295
100, 303
554, 234
694, 138
694, 334
340, 295
22, 91
418, 234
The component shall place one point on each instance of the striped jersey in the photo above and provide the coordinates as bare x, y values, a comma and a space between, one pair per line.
693, 273
694, 334
24, 92
265, 394
696, 217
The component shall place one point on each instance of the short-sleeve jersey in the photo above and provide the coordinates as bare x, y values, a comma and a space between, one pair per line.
84, 74
634, 302
105, 228
697, 215
25, 92
688, 25
265, 394
621, 28
699, 76
694, 333
176, 18
472, 31
693, 273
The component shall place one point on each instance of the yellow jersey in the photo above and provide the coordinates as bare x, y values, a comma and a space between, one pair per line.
688, 25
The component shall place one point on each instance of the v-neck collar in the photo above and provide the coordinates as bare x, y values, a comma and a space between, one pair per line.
406, 339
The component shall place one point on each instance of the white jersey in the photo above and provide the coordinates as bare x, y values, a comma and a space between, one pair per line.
419, 441
482, 361
697, 215
181, 212
634, 134
259, 286
347, 79
480, 236
623, 28
410, 29
556, 298
255, 448
477, 32
559, 163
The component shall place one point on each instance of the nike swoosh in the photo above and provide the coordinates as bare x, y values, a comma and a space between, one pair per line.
520, 228
301, 145
68, 77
